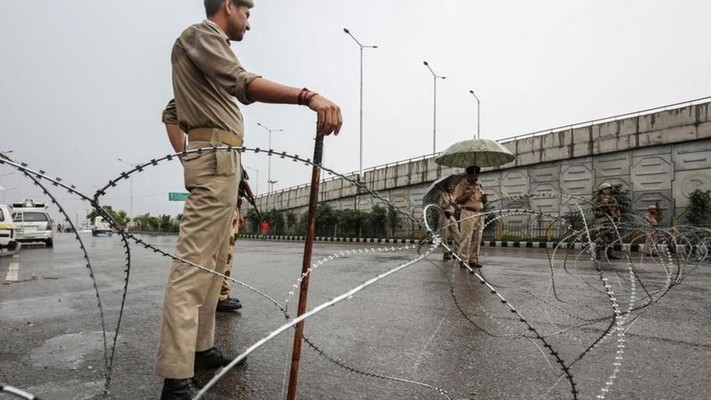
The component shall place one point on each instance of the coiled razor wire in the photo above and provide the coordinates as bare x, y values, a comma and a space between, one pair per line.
692, 243
125, 235
17, 392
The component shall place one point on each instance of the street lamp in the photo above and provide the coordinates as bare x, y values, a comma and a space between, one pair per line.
360, 124
478, 114
130, 183
434, 123
269, 165
256, 192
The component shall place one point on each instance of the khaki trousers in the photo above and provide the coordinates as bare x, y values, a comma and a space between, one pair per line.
472, 227
188, 323
234, 231
449, 228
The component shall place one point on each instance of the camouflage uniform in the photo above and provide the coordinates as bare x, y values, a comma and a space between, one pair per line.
607, 213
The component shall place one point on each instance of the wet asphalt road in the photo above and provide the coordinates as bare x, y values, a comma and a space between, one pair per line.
430, 331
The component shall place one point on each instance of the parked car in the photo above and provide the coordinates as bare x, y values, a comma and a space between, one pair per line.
101, 227
7, 229
32, 223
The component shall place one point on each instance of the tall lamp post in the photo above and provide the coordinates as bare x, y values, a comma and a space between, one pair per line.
434, 123
256, 189
360, 124
478, 114
270, 182
130, 183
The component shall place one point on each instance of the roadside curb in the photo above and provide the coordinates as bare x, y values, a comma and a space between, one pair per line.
333, 239
486, 243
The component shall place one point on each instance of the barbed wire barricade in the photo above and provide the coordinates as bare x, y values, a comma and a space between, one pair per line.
679, 248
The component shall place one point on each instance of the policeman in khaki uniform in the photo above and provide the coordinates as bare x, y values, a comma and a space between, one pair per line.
447, 223
207, 79
226, 303
471, 199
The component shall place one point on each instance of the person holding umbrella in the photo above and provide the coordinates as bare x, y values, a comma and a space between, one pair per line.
472, 154
447, 221
471, 199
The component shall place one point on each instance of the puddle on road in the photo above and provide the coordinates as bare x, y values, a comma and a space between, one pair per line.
69, 351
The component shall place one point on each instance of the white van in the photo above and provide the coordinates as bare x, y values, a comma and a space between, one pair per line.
32, 223
7, 229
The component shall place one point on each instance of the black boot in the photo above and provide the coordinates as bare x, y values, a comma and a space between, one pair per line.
184, 389
212, 359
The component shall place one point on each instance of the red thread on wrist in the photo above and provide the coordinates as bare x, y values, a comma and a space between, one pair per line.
308, 98
302, 95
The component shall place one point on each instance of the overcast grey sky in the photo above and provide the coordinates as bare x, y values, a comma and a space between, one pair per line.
83, 82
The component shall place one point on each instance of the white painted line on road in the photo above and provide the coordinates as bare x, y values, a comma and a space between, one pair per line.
12, 272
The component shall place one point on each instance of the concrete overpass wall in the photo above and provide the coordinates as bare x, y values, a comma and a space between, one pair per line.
662, 156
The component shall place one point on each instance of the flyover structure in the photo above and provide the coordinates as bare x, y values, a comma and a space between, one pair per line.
659, 155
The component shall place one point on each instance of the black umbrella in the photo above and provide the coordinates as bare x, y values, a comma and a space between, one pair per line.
437, 187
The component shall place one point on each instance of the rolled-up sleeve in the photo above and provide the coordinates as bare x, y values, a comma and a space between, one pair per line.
170, 114
212, 54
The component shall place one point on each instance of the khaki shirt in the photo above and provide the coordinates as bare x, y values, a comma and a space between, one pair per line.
446, 202
207, 77
474, 201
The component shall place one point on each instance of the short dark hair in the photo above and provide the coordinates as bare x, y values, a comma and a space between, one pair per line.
472, 170
213, 6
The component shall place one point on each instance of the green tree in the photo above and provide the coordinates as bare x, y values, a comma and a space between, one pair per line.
377, 219
326, 220
698, 212
392, 222
276, 221
291, 222
166, 224
253, 221
120, 216
351, 222
147, 223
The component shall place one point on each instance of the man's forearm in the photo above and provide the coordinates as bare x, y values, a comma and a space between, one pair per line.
176, 137
266, 91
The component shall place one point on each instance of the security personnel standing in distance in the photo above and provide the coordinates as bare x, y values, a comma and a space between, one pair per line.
607, 214
447, 222
471, 199
207, 78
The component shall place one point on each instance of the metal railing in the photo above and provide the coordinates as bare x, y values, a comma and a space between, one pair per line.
647, 111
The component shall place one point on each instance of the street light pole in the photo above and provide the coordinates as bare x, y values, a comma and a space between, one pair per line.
360, 124
270, 182
478, 114
130, 184
434, 119
256, 192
